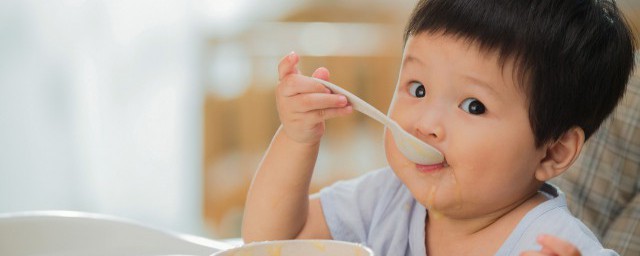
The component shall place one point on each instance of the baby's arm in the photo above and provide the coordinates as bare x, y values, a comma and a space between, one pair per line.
278, 205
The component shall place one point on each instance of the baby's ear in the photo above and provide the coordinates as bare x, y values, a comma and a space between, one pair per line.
560, 154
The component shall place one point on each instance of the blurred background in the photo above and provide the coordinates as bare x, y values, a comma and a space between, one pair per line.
160, 110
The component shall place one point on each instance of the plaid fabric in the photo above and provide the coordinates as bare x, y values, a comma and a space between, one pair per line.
602, 186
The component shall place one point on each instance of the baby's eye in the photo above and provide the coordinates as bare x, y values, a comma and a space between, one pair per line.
473, 106
417, 90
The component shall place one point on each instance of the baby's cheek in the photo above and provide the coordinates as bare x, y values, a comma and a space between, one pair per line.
390, 149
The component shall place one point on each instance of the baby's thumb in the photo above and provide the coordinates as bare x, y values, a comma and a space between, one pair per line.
321, 73
288, 65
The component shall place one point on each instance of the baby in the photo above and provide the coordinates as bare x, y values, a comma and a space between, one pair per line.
507, 90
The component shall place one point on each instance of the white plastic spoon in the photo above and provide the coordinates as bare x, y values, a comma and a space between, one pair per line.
413, 148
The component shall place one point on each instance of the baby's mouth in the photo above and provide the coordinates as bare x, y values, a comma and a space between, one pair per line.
432, 167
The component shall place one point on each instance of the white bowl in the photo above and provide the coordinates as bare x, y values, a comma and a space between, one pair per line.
297, 248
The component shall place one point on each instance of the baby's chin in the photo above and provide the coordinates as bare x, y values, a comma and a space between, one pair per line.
439, 192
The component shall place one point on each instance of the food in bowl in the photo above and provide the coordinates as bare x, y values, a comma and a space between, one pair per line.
297, 248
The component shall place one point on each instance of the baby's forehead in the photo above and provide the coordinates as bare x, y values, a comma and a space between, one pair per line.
468, 45
468, 57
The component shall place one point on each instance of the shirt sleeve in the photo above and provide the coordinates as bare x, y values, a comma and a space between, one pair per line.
349, 206
552, 218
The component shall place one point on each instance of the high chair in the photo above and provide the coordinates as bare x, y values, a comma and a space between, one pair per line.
603, 186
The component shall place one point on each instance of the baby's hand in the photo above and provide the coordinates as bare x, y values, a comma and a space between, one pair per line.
553, 246
303, 104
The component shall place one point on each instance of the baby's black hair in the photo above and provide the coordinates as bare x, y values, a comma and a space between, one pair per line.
573, 57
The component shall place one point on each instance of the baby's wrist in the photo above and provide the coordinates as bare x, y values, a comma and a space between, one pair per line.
299, 142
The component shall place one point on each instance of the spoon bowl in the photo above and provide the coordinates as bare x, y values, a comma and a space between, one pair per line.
411, 147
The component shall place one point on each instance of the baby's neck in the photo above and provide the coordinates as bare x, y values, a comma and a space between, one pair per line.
444, 235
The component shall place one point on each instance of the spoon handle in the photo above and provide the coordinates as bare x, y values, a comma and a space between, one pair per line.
357, 103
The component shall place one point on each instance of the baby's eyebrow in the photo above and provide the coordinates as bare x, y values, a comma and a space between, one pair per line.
481, 83
410, 58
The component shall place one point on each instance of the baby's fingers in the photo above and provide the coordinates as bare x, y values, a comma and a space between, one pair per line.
297, 85
321, 73
534, 253
336, 112
558, 246
287, 65
303, 103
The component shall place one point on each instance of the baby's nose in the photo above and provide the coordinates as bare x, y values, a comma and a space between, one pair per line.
430, 126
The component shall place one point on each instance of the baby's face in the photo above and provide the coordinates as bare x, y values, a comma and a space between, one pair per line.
461, 101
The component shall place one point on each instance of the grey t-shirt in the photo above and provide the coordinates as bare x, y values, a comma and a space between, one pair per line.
377, 210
